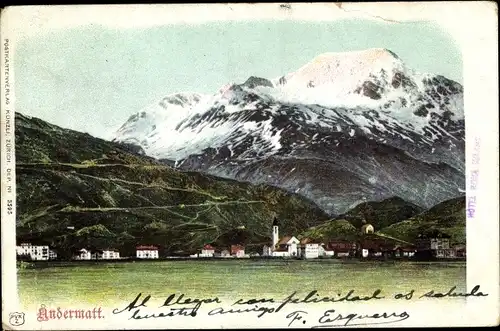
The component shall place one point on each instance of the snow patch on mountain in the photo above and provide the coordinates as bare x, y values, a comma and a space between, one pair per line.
342, 71
155, 128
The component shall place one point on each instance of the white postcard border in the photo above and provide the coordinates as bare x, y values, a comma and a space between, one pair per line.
473, 25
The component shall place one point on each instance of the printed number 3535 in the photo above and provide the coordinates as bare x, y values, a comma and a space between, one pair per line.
9, 207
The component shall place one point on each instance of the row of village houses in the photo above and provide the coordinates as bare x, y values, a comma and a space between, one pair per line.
44, 253
368, 247
434, 245
285, 247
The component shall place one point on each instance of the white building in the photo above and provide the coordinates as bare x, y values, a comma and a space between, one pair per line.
34, 252
106, 254
147, 252
287, 246
110, 254
207, 251
83, 254
324, 250
237, 250
364, 252
309, 249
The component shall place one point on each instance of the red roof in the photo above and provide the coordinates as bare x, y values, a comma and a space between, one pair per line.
284, 240
405, 248
146, 248
340, 245
236, 248
208, 247
305, 241
338, 242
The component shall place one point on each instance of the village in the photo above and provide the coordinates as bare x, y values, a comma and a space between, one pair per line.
369, 246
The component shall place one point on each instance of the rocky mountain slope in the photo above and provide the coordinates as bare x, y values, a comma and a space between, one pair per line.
77, 191
343, 129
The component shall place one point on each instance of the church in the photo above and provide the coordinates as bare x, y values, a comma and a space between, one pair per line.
290, 246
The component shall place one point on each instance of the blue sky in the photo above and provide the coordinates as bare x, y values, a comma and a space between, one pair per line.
92, 78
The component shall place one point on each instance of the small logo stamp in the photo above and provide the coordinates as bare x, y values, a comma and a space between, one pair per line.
16, 318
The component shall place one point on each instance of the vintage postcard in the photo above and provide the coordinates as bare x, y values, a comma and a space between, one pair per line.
281, 165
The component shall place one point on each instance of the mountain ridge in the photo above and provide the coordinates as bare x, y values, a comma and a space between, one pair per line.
386, 116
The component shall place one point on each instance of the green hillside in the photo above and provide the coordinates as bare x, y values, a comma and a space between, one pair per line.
76, 191
332, 230
402, 220
447, 217
381, 213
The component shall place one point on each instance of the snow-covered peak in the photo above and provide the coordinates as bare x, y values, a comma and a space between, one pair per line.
369, 91
375, 78
344, 71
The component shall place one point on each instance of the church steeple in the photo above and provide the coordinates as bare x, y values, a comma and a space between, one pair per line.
275, 233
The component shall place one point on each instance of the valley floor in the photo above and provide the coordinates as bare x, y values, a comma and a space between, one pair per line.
112, 283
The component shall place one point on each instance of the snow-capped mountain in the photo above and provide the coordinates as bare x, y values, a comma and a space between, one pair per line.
343, 128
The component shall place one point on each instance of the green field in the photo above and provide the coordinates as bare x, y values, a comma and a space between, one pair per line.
119, 282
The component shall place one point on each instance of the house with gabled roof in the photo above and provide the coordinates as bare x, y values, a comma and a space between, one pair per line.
287, 246
83, 254
342, 248
33, 252
147, 252
111, 254
237, 250
207, 251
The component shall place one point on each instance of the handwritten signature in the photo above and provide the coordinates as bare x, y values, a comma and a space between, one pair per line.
336, 319
331, 318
